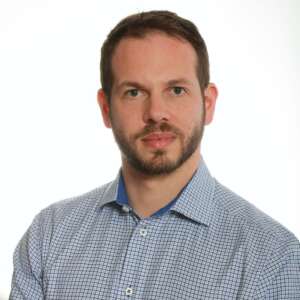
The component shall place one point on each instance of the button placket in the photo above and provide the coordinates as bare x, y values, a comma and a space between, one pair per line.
130, 272
144, 228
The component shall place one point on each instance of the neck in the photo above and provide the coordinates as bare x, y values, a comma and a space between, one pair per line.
147, 194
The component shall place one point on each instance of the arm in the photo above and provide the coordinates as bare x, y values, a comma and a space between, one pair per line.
281, 278
27, 274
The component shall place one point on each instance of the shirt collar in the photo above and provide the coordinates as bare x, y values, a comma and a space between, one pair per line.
195, 201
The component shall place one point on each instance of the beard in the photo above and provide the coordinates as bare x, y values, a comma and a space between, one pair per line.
159, 163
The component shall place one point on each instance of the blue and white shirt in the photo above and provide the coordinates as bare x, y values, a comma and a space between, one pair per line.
209, 244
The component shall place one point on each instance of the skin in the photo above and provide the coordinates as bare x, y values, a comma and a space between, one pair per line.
155, 83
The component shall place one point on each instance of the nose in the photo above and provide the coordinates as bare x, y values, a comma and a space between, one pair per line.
156, 110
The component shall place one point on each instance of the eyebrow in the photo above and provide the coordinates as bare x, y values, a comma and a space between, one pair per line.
172, 82
179, 81
127, 83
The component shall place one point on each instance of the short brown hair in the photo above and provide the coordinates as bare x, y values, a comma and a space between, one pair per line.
138, 25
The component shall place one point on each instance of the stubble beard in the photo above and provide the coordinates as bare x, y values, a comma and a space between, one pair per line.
159, 163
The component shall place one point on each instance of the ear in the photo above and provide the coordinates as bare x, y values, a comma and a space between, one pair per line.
210, 98
105, 107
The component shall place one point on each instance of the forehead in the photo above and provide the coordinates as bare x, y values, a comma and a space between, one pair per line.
155, 56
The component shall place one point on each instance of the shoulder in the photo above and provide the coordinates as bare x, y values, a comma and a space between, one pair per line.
267, 246
54, 226
250, 219
75, 208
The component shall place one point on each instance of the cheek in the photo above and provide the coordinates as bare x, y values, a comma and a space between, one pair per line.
127, 122
189, 118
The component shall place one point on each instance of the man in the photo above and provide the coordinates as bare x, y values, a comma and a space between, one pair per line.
164, 229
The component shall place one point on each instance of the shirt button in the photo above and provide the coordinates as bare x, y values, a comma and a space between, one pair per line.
128, 291
143, 232
126, 208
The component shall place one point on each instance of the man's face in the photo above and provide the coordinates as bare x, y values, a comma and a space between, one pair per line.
157, 111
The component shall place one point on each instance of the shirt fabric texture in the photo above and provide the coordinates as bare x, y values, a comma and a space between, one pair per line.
209, 244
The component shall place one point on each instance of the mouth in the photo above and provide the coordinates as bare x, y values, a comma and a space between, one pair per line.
159, 140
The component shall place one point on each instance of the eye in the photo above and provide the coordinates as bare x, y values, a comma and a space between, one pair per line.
178, 90
132, 92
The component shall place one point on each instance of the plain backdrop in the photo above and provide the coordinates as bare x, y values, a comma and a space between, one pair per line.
53, 142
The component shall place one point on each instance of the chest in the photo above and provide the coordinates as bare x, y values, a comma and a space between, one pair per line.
152, 259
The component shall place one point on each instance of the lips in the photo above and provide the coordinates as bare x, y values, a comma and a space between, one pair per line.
159, 140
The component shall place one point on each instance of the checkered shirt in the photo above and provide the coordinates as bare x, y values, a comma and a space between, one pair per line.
211, 244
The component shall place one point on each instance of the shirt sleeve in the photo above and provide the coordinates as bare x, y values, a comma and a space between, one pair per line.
281, 278
27, 274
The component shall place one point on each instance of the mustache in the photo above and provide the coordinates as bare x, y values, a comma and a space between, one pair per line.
162, 127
